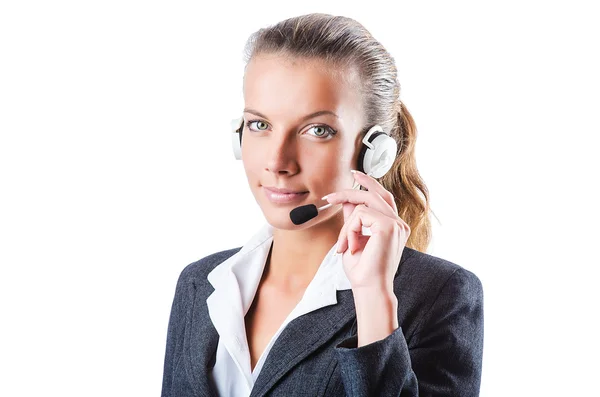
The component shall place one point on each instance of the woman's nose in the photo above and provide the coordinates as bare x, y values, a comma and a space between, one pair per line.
281, 154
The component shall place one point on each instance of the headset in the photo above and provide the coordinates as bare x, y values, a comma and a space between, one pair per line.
376, 157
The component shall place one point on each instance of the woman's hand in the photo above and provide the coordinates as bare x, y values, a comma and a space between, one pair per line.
370, 262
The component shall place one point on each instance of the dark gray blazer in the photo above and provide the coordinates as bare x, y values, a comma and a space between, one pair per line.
436, 351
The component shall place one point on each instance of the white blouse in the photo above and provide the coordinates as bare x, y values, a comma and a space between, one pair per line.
236, 282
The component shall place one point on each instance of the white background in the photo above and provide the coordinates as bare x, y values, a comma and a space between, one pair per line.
116, 171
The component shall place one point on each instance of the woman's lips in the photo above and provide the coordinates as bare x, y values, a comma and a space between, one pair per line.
283, 198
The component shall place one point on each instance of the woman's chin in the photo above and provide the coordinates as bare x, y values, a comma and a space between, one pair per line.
280, 219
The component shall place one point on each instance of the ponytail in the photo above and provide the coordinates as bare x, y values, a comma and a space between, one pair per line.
404, 182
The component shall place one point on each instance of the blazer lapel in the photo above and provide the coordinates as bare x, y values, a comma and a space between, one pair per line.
313, 330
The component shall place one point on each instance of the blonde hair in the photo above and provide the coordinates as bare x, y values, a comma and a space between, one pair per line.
344, 43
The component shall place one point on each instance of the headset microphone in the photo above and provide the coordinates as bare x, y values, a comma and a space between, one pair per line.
305, 213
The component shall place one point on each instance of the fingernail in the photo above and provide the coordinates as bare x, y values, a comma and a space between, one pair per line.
327, 196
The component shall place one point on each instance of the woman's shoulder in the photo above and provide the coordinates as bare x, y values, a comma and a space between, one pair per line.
200, 268
424, 269
423, 280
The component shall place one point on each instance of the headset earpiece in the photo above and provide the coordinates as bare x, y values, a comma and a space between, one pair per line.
237, 126
378, 152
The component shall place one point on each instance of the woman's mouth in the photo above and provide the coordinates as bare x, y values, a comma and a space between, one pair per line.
283, 198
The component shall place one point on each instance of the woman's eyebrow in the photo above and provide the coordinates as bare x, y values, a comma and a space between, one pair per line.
310, 116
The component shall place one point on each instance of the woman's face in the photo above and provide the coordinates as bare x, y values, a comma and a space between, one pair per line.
301, 126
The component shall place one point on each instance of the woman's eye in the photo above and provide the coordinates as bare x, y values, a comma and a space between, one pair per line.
260, 125
321, 130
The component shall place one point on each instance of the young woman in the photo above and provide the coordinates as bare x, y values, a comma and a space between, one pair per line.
343, 300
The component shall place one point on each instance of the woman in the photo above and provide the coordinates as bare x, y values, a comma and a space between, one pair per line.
287, 315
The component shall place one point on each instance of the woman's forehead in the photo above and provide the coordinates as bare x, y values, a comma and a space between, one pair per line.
290, 65
278, 84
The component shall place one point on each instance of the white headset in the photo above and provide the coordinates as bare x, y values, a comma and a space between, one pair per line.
375, 158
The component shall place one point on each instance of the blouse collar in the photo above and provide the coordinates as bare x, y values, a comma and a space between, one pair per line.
236, 281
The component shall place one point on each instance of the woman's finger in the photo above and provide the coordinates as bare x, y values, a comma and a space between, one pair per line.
367, 198
363, 217
381, 198
374, 186
351, 236
342, 242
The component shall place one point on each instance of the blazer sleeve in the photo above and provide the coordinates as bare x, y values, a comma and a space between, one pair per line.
172, 338
443, 357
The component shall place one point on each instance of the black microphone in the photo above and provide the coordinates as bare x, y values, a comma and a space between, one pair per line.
305, 213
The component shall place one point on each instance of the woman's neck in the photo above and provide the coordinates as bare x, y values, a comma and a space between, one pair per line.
296, 255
